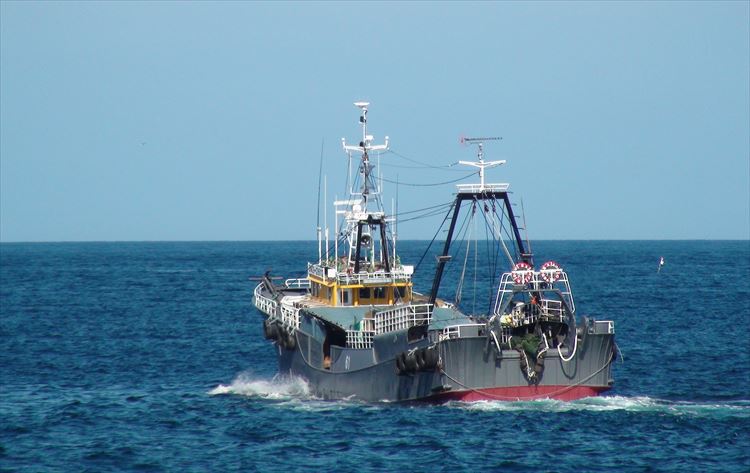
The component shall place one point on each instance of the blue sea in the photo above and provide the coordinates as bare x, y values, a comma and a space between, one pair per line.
150, 357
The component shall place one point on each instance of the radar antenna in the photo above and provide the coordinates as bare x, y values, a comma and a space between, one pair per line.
481, 163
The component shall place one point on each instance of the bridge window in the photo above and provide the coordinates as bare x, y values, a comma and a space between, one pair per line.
346, 297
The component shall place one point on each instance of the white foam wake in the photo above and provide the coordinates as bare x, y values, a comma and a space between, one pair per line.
282, 388
618, 403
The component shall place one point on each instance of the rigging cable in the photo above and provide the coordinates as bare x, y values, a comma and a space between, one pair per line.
425, 215
403, 166
430, 184
496, 251
461, 235
420, 210
433, 238
500, 236
459, 287
442, 168
492, 250
476, 256
490, 247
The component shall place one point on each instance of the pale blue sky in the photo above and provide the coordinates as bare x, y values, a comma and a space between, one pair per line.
204, 121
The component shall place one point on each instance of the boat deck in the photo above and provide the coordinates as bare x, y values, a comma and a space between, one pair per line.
349, 318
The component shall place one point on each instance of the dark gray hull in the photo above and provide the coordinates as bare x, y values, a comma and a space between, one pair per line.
469, 369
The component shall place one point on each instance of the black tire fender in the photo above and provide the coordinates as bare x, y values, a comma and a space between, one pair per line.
431, 358
281, 335
410, 362
273, 331
290, 342
266, 330
419, 355
400, 368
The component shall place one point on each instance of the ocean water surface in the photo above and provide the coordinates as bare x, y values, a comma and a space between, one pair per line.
150, 357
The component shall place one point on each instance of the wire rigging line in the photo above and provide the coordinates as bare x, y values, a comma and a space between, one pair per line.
425, 215
433, 238
496, 254
404, 166
502, 217
430, 184
508, 228
491, 248
460, 286
498, 233
463, 234
446, 204
445, 167
476, 260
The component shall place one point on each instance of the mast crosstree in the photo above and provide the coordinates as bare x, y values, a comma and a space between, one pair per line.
482, 165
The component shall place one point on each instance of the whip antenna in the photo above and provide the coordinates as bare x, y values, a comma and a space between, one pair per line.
320, 174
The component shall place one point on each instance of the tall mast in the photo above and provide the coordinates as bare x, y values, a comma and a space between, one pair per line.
361, 220
364, 147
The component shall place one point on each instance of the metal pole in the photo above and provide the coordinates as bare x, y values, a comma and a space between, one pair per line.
442, 259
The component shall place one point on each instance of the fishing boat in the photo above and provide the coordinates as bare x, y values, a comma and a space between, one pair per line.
355, 328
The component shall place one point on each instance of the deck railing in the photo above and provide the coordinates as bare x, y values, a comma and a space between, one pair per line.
552, 309
290, 316
474, 188
535, 281
263, 303
455, 331
301, 283
402, 318
359, 339
363, 277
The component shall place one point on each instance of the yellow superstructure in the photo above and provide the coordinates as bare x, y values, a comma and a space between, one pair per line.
363, 289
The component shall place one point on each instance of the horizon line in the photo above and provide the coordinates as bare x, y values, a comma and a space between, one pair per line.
315, 241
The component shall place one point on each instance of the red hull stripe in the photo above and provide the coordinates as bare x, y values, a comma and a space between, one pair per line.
520, 393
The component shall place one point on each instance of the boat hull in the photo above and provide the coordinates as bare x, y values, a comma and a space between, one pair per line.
470, 369
520, 393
